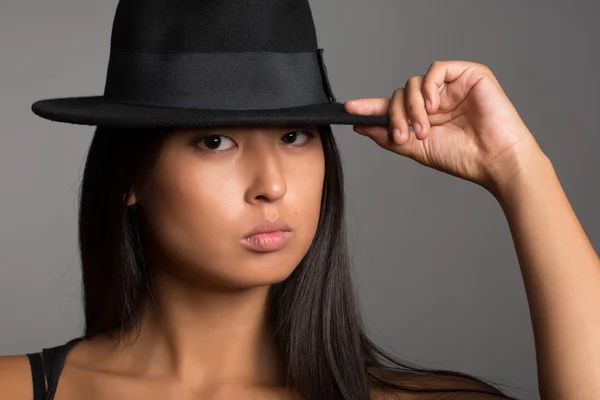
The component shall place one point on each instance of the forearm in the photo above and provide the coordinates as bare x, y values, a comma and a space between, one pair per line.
561, 273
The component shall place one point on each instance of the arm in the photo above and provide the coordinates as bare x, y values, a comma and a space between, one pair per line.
15, 378
561, 273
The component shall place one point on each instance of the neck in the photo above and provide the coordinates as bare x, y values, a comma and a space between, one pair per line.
199, 336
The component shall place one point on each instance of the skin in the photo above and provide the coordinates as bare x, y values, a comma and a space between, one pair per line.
200, 202
205, 338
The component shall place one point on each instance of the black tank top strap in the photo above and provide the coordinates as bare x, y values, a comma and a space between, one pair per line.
46, 367
37, 375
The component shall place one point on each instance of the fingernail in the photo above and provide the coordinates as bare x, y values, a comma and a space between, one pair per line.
417, 127
428, 104
396, 134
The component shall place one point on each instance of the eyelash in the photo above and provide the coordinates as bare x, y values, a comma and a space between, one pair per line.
310, 135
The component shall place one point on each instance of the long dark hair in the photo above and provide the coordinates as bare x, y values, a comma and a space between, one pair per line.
313, 318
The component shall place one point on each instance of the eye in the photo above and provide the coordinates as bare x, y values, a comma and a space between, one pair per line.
215, 142
218, 143
293, 136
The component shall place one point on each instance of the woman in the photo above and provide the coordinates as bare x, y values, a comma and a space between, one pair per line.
212, 234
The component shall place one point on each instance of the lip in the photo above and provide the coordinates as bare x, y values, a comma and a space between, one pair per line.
268, 236
267, 226
267, 242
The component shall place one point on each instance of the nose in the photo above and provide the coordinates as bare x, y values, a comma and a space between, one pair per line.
267, 176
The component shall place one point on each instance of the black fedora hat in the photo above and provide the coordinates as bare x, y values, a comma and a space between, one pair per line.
210, 62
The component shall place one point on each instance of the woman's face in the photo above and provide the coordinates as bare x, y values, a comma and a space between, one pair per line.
212, 187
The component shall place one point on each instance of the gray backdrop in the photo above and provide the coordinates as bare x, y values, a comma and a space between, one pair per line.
435, 265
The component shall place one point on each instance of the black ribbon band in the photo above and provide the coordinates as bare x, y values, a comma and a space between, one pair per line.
226, 81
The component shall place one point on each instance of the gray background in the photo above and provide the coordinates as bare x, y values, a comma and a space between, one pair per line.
435, 265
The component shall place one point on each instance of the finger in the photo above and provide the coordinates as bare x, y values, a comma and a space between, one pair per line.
398, 118
414, 103
440, 73
412, 147
368, 106
379, 134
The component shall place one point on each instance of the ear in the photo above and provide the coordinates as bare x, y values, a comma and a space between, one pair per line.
132, 200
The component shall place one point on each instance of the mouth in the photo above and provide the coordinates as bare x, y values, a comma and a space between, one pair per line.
268, 236
268, 241
267, 226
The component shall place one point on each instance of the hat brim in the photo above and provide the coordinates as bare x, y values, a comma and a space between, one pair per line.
99, 111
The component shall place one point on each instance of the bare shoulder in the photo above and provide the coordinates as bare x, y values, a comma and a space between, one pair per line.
439, 387
15, 378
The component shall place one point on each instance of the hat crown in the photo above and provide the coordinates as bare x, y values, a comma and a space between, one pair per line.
160, 26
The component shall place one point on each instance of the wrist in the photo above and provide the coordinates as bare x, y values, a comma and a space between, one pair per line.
522, 166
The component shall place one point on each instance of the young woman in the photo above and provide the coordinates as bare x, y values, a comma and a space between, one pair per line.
213, 245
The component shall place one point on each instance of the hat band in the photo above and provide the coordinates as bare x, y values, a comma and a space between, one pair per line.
218, 81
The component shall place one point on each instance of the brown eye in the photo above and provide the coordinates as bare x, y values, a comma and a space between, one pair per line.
296, 137
215, 142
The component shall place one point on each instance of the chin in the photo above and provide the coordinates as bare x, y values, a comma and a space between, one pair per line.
235, 266
268, 268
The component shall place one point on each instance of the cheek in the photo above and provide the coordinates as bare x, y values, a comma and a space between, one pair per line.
304, 195
194, 212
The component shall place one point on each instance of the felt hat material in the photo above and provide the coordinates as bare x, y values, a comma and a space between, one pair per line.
210, 62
